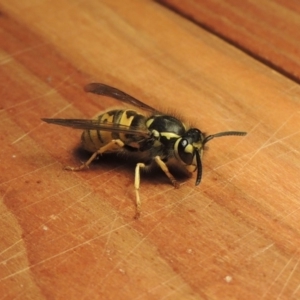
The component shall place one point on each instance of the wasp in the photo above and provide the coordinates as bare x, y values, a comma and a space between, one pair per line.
152, 139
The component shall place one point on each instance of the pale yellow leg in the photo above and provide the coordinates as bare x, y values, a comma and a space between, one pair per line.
137, 187
112, 145
164, 167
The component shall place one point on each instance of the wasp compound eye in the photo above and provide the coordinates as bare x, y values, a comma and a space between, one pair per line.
183, 143
186, 151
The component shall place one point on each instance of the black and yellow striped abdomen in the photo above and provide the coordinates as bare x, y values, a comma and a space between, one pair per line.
93, 140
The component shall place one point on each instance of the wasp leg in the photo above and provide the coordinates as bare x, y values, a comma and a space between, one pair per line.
112, 145
164, 167
137, 187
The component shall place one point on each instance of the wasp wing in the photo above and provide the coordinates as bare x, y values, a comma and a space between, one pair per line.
86, 124
106, 90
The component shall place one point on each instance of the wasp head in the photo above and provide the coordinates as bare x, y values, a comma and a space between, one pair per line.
189, 148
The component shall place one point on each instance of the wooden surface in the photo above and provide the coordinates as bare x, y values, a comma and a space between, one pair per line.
72, 235
268, 30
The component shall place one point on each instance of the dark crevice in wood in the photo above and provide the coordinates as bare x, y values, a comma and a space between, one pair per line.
271, 64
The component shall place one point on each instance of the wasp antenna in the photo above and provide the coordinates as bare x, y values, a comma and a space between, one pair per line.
224, 133
199, 168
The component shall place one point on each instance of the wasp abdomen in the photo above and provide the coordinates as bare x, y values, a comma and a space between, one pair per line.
93, 140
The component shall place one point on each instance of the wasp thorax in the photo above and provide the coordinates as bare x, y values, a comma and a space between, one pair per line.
155, 134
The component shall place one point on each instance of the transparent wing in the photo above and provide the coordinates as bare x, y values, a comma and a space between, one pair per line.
86, 124
106, 90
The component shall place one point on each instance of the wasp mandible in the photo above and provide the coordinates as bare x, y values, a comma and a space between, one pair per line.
156, 138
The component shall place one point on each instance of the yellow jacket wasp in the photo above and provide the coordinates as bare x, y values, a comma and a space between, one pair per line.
156, 139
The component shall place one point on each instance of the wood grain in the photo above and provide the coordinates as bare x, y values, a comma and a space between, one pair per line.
64, 234
268, 29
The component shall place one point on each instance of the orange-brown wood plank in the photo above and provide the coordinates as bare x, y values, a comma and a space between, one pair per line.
267, 29
71, 235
